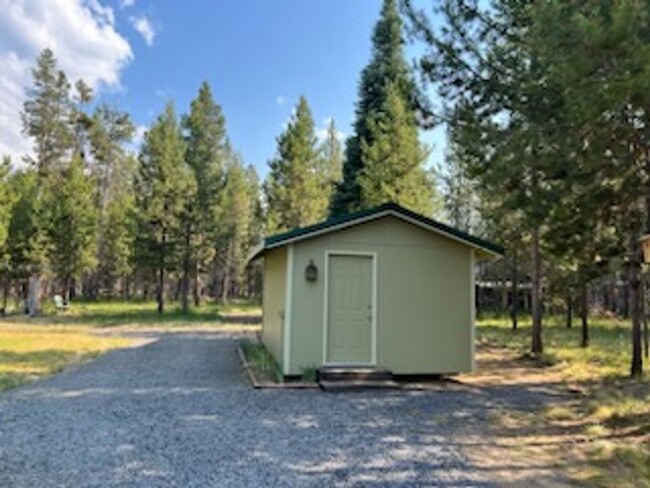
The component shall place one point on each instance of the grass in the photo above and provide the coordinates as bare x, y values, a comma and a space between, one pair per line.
119, 313
264, 366
606, 424
31, 348
27, 354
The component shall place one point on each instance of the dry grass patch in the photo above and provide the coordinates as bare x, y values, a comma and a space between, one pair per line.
596, 434
30, 352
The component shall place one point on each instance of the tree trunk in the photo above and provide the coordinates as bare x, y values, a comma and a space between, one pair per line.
225, 290
66, 289
197, 286
504, 290
569, 311
584, 313
5, 292
636, 309
161, 276
185, 284
33, 296
514, 306
161, 290
536, 298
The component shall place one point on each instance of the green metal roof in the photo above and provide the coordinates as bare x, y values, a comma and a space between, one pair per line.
350, 219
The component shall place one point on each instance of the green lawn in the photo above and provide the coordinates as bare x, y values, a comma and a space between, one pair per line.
31, 348
28, 352
118, 313
609, 413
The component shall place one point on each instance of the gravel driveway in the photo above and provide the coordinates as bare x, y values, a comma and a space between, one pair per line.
179, 412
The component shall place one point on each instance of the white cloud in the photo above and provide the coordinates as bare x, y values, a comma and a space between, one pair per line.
281, 100
145, 28
126, 3
83, 37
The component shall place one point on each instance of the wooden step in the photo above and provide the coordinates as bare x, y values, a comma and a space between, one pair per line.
358, 385
339, 373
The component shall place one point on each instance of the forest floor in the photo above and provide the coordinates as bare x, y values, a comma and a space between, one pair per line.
597, 433
31, 348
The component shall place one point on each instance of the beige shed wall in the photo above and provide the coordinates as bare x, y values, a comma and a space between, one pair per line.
424, 297
273, 301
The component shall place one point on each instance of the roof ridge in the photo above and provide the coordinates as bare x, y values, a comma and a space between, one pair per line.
304, 232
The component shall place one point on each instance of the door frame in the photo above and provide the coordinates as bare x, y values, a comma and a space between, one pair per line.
373, 345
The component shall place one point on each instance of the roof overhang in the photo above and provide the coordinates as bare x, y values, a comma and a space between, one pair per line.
485, 249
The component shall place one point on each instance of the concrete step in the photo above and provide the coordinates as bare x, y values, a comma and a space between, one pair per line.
358, 385
339, 373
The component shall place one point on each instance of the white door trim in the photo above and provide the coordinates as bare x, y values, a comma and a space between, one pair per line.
288, 312
373, 256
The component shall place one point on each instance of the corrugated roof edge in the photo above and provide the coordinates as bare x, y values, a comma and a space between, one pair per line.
304, 232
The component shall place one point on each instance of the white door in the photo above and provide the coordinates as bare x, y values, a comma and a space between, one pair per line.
349, 309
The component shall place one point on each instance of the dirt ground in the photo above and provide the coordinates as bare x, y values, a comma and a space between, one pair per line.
519, 453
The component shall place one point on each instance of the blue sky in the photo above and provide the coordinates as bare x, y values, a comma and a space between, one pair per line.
258, 55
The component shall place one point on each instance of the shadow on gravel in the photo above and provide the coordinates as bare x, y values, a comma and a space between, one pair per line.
180, 412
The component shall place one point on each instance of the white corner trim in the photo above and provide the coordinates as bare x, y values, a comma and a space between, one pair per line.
472, 275
288, 312
373, 256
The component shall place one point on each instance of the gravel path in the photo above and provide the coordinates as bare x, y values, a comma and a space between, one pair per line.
179, 412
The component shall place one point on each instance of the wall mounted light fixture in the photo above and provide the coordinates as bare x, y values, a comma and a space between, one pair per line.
311, 272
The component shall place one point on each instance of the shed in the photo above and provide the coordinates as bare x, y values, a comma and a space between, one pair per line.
383, 287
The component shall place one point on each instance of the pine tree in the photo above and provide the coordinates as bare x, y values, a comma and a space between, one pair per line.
460, 194
607, 130
25, 239
235, 221
120, 222
332, 157
294, 194
387, 75
393, 156
113, 171
48, 113
81, 122
206, 154
164, 187
70, 212
7, 200
505, 112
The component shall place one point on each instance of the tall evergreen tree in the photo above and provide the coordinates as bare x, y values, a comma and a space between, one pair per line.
607, 130
164, 186
506, 114
460, 195
7, 199
387, 76
48, 117
47, 114
206, 154
118, 240
295, 196
70, 212
25, 240
112, 168
392, 159
235, 221
332, 157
